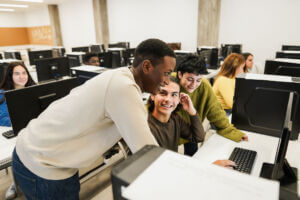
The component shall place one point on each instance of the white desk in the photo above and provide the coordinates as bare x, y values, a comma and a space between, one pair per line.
7, 145
212, 73
219, 148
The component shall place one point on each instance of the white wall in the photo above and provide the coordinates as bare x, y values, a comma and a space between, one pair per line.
261, 26
38, 17
12, 19
77, 23
169, 20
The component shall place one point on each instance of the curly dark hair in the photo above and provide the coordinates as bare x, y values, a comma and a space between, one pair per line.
88, 56
152, 49
8, 83
192, 63
150, 103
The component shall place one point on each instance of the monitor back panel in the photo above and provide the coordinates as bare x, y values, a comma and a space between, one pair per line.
27, 103
271, 66
258, 108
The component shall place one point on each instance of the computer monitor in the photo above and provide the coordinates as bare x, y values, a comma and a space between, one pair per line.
227, 49
75, 58
128, 55
27, 103
58, 52
258, 105
97, 48
81, 49
40, 54
105, 59
12, 55
52, 68
1, 57
3, 66
125, 45
288, 54
290, 48
288, 71
210, 56
271, 66
281, 170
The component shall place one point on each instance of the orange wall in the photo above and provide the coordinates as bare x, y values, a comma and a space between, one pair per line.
40, 35
13, 36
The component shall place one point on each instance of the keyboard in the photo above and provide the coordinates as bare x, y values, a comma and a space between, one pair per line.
9, 134
243, 158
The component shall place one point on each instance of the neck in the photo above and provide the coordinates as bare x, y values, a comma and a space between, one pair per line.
137, 75
18, 87
160, 117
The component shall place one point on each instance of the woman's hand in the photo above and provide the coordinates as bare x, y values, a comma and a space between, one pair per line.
187, 104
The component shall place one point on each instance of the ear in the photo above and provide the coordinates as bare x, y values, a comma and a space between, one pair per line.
147, 66
179, 74
152, 97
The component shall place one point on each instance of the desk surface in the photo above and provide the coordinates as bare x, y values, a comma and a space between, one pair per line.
7, 145
218, 148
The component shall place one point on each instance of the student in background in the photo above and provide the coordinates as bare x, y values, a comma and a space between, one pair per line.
224, 84
91, 59
76, 130
190, 72
16, 76
167, 126
249, 64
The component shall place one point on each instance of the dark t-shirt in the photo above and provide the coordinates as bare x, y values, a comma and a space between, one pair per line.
168, 134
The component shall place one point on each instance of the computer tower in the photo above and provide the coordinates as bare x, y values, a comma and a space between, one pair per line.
75, 58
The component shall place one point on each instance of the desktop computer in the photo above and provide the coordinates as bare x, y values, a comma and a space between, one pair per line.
288, 54
117, 59
75, 58
58, 52
81, 49
3, 66
227, 49
128, 55
39, 54
12, 55
1, 57
34, 100
258, 105
97, 48
210, 56
282, 67
52, 68
290, 48
124, 45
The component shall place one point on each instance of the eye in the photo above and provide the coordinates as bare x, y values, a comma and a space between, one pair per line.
174, 94
167, 73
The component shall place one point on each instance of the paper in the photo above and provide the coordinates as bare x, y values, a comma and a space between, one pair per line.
174, 176
268, 77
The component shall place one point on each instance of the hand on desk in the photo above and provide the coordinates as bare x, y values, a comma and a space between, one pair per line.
225, 163
244, 138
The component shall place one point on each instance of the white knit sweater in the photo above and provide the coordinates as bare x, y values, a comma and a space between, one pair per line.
76, 130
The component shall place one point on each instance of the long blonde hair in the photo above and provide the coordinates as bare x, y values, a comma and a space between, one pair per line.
231, 63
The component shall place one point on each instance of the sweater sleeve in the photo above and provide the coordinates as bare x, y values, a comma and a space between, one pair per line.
193, 132
4, 115
225, 88
217, 116
125, 107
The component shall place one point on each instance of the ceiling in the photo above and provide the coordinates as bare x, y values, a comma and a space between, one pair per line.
31, 5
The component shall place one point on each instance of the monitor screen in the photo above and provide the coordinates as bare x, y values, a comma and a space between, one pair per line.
52, 68
35, 55
260, 107
27, 103
81, 49
281, 67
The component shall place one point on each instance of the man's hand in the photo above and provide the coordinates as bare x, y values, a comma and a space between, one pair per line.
187, 104
225, 163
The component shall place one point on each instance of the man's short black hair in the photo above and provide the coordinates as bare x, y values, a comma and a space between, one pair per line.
192, 63
88, 56
152, 49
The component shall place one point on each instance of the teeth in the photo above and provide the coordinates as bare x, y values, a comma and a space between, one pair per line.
167, 106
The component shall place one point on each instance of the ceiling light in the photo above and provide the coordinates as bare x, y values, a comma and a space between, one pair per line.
7, 9
13, 5
34, 1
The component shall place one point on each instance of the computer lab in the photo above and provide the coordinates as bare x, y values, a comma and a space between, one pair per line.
144, 100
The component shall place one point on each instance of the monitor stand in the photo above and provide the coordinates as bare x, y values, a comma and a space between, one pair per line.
288, 179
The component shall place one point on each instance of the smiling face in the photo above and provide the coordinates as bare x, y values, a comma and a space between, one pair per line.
20, 77
190, 81
166, 100
158, 75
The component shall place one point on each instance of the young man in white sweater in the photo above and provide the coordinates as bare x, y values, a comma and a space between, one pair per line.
76, 130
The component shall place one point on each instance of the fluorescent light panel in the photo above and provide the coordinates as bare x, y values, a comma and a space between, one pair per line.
34, 1
13, 5
7, 10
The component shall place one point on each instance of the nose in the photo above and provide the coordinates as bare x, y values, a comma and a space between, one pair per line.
166, 81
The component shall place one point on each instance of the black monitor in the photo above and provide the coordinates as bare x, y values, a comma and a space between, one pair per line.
27, 103
128, 55
125, 45
281, 170
105, 59
290, 55
3, 66
258, 106
1, 57
34, 55
271, 66
97, 48
52, 68
81, 49
12, 55
227, 49
58, 52
290, 48
75, 58
288, 71
210, 56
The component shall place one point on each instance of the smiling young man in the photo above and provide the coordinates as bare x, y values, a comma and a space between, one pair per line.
190, 72
76, 130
